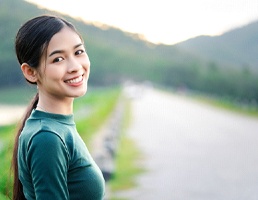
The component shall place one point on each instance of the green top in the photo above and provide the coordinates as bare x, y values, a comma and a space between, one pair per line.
54, 162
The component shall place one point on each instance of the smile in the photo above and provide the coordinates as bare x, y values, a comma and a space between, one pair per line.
75, 80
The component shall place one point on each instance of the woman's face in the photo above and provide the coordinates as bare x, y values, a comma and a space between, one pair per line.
64, 70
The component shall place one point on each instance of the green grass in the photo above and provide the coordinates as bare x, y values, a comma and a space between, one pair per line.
127, 166
250, 109
101, 103
6, 138
227, 104
127, 160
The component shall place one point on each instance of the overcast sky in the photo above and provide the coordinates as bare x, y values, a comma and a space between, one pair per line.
162, 21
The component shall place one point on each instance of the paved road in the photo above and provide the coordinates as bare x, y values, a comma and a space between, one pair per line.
193, 151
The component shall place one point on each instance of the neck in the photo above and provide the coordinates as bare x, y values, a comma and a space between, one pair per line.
57, 106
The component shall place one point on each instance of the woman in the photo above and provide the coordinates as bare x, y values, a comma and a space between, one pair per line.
50, 159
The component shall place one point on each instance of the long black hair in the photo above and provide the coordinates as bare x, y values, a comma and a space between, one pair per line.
31, 43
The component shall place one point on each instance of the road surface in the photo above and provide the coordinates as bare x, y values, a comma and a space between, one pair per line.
193, 151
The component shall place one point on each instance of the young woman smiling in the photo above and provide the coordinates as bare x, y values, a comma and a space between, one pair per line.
50, 160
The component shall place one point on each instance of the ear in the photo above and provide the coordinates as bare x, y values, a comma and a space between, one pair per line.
29, 73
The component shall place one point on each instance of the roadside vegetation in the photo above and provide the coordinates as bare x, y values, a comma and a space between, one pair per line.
250, 109
128, 161
117, 56
232, 105
91, 110
245, 107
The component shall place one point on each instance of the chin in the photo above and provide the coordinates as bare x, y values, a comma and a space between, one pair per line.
82, 93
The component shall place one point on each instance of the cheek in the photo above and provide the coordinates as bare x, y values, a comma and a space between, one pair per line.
88, 73
47, 78
89, 66
86, 65
88, 69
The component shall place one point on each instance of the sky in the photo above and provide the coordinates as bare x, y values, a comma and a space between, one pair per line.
161, 21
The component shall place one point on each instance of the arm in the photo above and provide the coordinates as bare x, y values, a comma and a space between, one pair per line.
48, 163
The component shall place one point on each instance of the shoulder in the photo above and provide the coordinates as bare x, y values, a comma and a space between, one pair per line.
48, 135
45, 129
46, 138
43, 144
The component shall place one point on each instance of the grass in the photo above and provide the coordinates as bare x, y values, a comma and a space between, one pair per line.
227, 104
100, 102
6, 138
250, 109
98, 105
127, 166
90, 112
127, 160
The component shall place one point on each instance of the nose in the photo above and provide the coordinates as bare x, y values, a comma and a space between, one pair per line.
74, 65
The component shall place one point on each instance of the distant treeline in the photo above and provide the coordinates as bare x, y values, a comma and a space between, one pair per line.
117, 56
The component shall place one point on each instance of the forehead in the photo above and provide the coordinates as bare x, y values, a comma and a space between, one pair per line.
65, 39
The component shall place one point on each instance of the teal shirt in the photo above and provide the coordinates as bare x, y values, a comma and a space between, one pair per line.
54, 162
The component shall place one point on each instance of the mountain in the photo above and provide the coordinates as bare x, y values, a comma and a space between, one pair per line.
237, 47
117, 56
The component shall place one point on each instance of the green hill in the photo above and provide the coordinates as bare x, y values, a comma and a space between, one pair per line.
117, 56
236, 47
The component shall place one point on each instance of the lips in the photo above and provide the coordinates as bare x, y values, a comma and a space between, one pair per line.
75, 80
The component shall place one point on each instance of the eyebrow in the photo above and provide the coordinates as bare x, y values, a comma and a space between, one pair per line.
62, 51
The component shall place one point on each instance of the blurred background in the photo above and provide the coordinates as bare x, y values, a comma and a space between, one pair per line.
171, 111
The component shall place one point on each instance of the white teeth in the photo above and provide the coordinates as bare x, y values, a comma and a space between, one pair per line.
76, 80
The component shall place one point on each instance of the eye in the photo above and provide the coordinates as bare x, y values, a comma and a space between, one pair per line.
79, 52
58, 59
